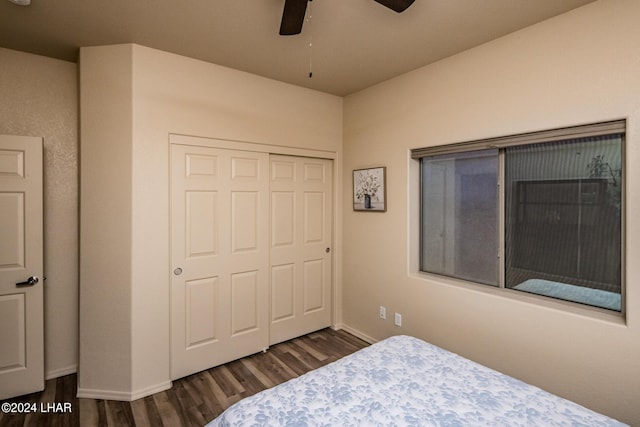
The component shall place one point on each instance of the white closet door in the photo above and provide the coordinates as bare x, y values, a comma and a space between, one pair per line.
301, 232
219, 256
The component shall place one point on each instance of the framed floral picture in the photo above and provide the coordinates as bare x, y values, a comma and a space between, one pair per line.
369, 189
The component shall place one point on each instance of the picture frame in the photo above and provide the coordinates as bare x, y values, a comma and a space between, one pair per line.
370, 189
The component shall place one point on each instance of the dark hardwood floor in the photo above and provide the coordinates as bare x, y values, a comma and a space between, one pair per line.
193, 400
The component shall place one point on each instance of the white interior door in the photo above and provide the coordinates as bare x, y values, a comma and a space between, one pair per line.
219, 255
301, 233
21, 266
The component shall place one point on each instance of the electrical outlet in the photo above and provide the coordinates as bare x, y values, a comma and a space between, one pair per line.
383, 312
398, 319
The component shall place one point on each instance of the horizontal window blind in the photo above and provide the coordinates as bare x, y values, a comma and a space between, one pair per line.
574, 132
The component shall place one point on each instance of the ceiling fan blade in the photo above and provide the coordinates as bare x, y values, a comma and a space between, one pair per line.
293, 17
396, 5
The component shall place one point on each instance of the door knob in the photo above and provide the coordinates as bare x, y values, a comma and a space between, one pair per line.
30, 282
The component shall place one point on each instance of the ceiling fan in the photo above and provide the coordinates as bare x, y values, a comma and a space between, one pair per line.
294, 13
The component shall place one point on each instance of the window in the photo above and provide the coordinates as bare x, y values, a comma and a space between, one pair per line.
538, 213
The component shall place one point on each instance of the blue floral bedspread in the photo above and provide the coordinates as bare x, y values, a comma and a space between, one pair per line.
404, 381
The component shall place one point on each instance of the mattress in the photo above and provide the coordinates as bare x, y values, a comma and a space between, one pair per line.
404, 381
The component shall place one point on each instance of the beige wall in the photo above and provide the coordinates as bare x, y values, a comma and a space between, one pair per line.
105, 369
39, 97
166, 94
580, 67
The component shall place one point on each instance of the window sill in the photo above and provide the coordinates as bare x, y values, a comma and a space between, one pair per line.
541, 301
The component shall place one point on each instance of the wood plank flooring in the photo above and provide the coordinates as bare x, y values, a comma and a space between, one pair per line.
193, 400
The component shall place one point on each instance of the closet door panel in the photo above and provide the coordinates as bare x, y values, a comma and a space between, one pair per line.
301, 258
219, 256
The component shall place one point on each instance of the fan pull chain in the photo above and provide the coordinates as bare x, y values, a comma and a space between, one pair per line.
309, 16
310, 57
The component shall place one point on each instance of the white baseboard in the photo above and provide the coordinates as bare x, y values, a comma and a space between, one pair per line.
123, 395
139, 394
60, 372
355, 332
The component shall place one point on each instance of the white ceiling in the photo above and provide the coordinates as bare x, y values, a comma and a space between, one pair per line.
354, 43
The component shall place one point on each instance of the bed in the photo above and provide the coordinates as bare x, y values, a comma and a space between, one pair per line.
404, 381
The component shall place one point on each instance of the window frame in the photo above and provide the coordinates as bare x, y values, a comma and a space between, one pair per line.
559, 134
